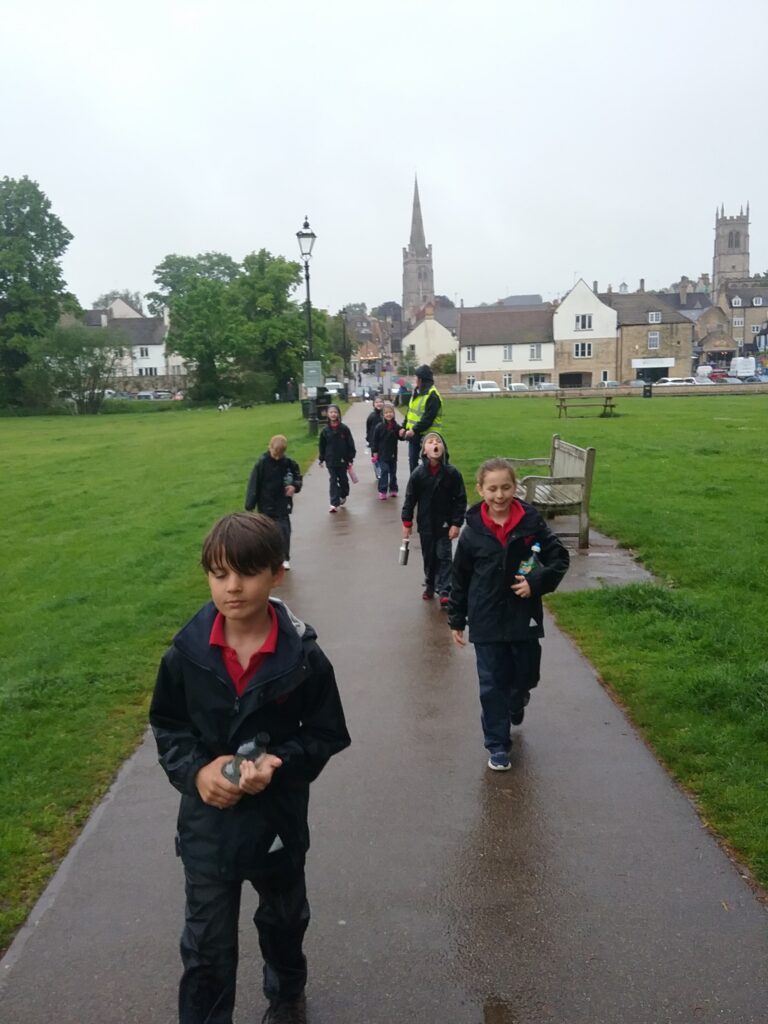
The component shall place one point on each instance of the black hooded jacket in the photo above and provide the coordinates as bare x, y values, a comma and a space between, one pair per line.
266, 486
483, 572
440, 498
196, 716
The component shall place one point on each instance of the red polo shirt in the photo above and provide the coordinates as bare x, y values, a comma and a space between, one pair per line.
242, 676
502, 530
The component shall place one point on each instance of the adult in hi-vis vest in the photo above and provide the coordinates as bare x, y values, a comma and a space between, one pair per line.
425, 413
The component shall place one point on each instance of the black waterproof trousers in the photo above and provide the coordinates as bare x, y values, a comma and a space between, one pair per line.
209, 942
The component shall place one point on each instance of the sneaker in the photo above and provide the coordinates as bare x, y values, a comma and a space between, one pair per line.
393, 494
333, 509
427, 595
382, 497
444, 600
286, 1011
516, 718
342, 501
286, 564
499, 762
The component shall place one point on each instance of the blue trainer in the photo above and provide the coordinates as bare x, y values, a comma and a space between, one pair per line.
499, 762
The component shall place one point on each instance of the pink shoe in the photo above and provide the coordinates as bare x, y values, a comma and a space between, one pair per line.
393, 494
382, 497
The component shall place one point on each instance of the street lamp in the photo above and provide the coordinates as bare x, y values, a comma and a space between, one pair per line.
306, 239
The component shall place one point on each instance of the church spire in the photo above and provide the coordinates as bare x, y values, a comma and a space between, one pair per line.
418, 242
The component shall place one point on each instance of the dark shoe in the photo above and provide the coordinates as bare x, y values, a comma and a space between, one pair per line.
427, 595
516, 718
499, 762
286, 1011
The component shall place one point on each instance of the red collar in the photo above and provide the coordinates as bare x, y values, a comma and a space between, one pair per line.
242, 676
502, 530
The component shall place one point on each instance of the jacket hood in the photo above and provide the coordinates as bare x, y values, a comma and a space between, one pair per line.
424, 373
434, 433
338, 410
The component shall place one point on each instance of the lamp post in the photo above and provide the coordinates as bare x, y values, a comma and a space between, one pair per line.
306, 239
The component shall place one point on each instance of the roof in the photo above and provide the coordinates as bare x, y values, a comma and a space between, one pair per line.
504, 325
746, 293
145, 330
635, 307
694, 305
95, 317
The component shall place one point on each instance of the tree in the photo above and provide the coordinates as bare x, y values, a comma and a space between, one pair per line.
357, 308
206, 330
73, 362
443, 302
389, 311
176, 274
132, 298
32, 290
407, 363
445, 363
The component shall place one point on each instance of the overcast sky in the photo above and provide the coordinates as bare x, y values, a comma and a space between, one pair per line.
552, 140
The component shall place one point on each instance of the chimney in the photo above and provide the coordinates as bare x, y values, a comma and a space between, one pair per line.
594, 287
610, 289
684, 289
642, 285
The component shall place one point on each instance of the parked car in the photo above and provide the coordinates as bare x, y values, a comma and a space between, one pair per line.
486, 387
163, 396
517, 387
728, 380
638, 382
146, 396
608, 384
663, 382
752, 379
333, 387
546, 386
702, 380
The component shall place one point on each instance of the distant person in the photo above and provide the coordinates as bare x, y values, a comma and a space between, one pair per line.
272, 484
290, 390
245, 713
437, 489
374, 418
336, 450
386, 437
425, 412
497, 582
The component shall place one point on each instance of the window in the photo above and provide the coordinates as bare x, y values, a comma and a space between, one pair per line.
738, 321
508, 353
755, 328
470, 383
412, 349
506, 380
537, 378
582, 350
653, 318
147, 371
757, 301
654, 339
143, 353
583, 322
470, 350
736, 301
603, 375
535, 352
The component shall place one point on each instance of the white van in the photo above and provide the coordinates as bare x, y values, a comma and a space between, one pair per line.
486, 387
517, 387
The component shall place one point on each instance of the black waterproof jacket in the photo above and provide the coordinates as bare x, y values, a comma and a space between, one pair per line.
440, 499
483, 572
266, 486
375, 417
384, 442
197, 716
336, 447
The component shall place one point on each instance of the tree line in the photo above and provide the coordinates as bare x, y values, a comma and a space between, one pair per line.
237, 325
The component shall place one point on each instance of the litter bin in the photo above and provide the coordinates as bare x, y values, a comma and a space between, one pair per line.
322, 402
648, 389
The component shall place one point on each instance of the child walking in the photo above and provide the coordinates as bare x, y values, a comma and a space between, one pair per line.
337, 452
437, 488
272, 484
245, 713
384, 441
497, 582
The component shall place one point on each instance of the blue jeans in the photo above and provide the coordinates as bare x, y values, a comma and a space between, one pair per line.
387, 476
339, 481
507, 673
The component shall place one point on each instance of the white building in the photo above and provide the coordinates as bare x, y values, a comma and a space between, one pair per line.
507, 344
429, 339
585, 332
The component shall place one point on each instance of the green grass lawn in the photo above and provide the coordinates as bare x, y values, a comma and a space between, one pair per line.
102, 517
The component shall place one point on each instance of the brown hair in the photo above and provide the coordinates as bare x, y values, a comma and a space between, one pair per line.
491, 465
247, 542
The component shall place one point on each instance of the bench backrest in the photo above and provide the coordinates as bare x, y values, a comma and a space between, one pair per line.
569, 460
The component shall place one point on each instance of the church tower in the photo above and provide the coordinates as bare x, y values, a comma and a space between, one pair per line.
418, 276
731, 259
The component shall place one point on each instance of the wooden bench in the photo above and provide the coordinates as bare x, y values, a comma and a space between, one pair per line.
606, 404
565, 489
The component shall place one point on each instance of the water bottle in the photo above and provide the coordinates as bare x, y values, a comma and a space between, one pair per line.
288, 479
404, 551
530, 562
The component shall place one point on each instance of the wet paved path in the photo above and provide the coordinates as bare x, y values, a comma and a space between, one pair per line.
579, 887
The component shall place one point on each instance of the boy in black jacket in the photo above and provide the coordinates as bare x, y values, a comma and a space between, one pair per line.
337, 452
438, 489
273, 482
245, 713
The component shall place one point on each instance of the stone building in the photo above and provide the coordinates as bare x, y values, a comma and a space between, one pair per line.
653, 339
418, 275
584, 331
731, 257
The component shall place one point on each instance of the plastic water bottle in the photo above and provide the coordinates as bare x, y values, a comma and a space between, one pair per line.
288, 479
531, 561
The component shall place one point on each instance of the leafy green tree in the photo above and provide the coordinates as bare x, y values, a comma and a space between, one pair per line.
445, 363
206, 330
132, 298
444, 302
176, 274
407, 363
32, 289
73, 362
388, 311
